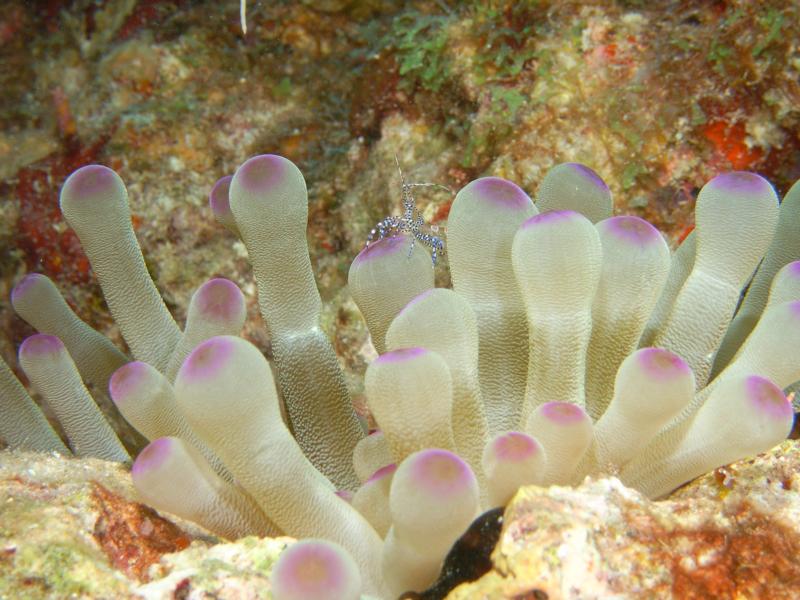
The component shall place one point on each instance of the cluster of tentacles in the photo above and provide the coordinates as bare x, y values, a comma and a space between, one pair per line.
572, 343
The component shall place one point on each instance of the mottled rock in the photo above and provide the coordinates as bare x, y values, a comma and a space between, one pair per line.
72, 527
68, 528
22, 148
733, 533
226, 571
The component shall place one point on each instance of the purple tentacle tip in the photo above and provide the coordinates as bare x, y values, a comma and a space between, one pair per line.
631, 229
219, 199
662, 364
220, 299
263, 172
25, 285
126, 380
794, 308
401, 355
563, 413
315, 569
208, 359
345, 495
41, 344
767, 397
440, 472
385, 247
741, 182
91, 180
515, 446
382, 473
551, 217
153, 456
500, 192
588, 174
793, 268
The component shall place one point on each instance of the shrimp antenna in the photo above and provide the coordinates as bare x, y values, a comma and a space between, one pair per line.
411, 221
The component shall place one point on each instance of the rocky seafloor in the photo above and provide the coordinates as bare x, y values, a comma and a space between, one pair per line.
70, 528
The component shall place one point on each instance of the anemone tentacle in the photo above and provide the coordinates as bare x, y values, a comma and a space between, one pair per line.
573, 343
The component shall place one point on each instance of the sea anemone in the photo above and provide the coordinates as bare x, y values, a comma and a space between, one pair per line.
573, 343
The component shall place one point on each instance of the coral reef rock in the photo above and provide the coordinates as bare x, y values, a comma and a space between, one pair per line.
70, 528
733, 533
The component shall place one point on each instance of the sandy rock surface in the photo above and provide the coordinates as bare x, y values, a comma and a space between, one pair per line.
733, 533
72, 528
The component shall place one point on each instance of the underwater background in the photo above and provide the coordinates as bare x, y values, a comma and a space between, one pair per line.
657, 97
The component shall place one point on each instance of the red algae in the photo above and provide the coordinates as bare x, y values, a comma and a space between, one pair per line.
132, 535
49, 245
728, 140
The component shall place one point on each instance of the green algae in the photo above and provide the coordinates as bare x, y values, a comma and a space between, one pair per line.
47, 549
61, 570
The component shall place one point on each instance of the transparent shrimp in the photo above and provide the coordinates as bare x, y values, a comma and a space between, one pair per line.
411, 221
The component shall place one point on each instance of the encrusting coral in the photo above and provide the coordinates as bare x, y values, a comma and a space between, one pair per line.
572, 343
